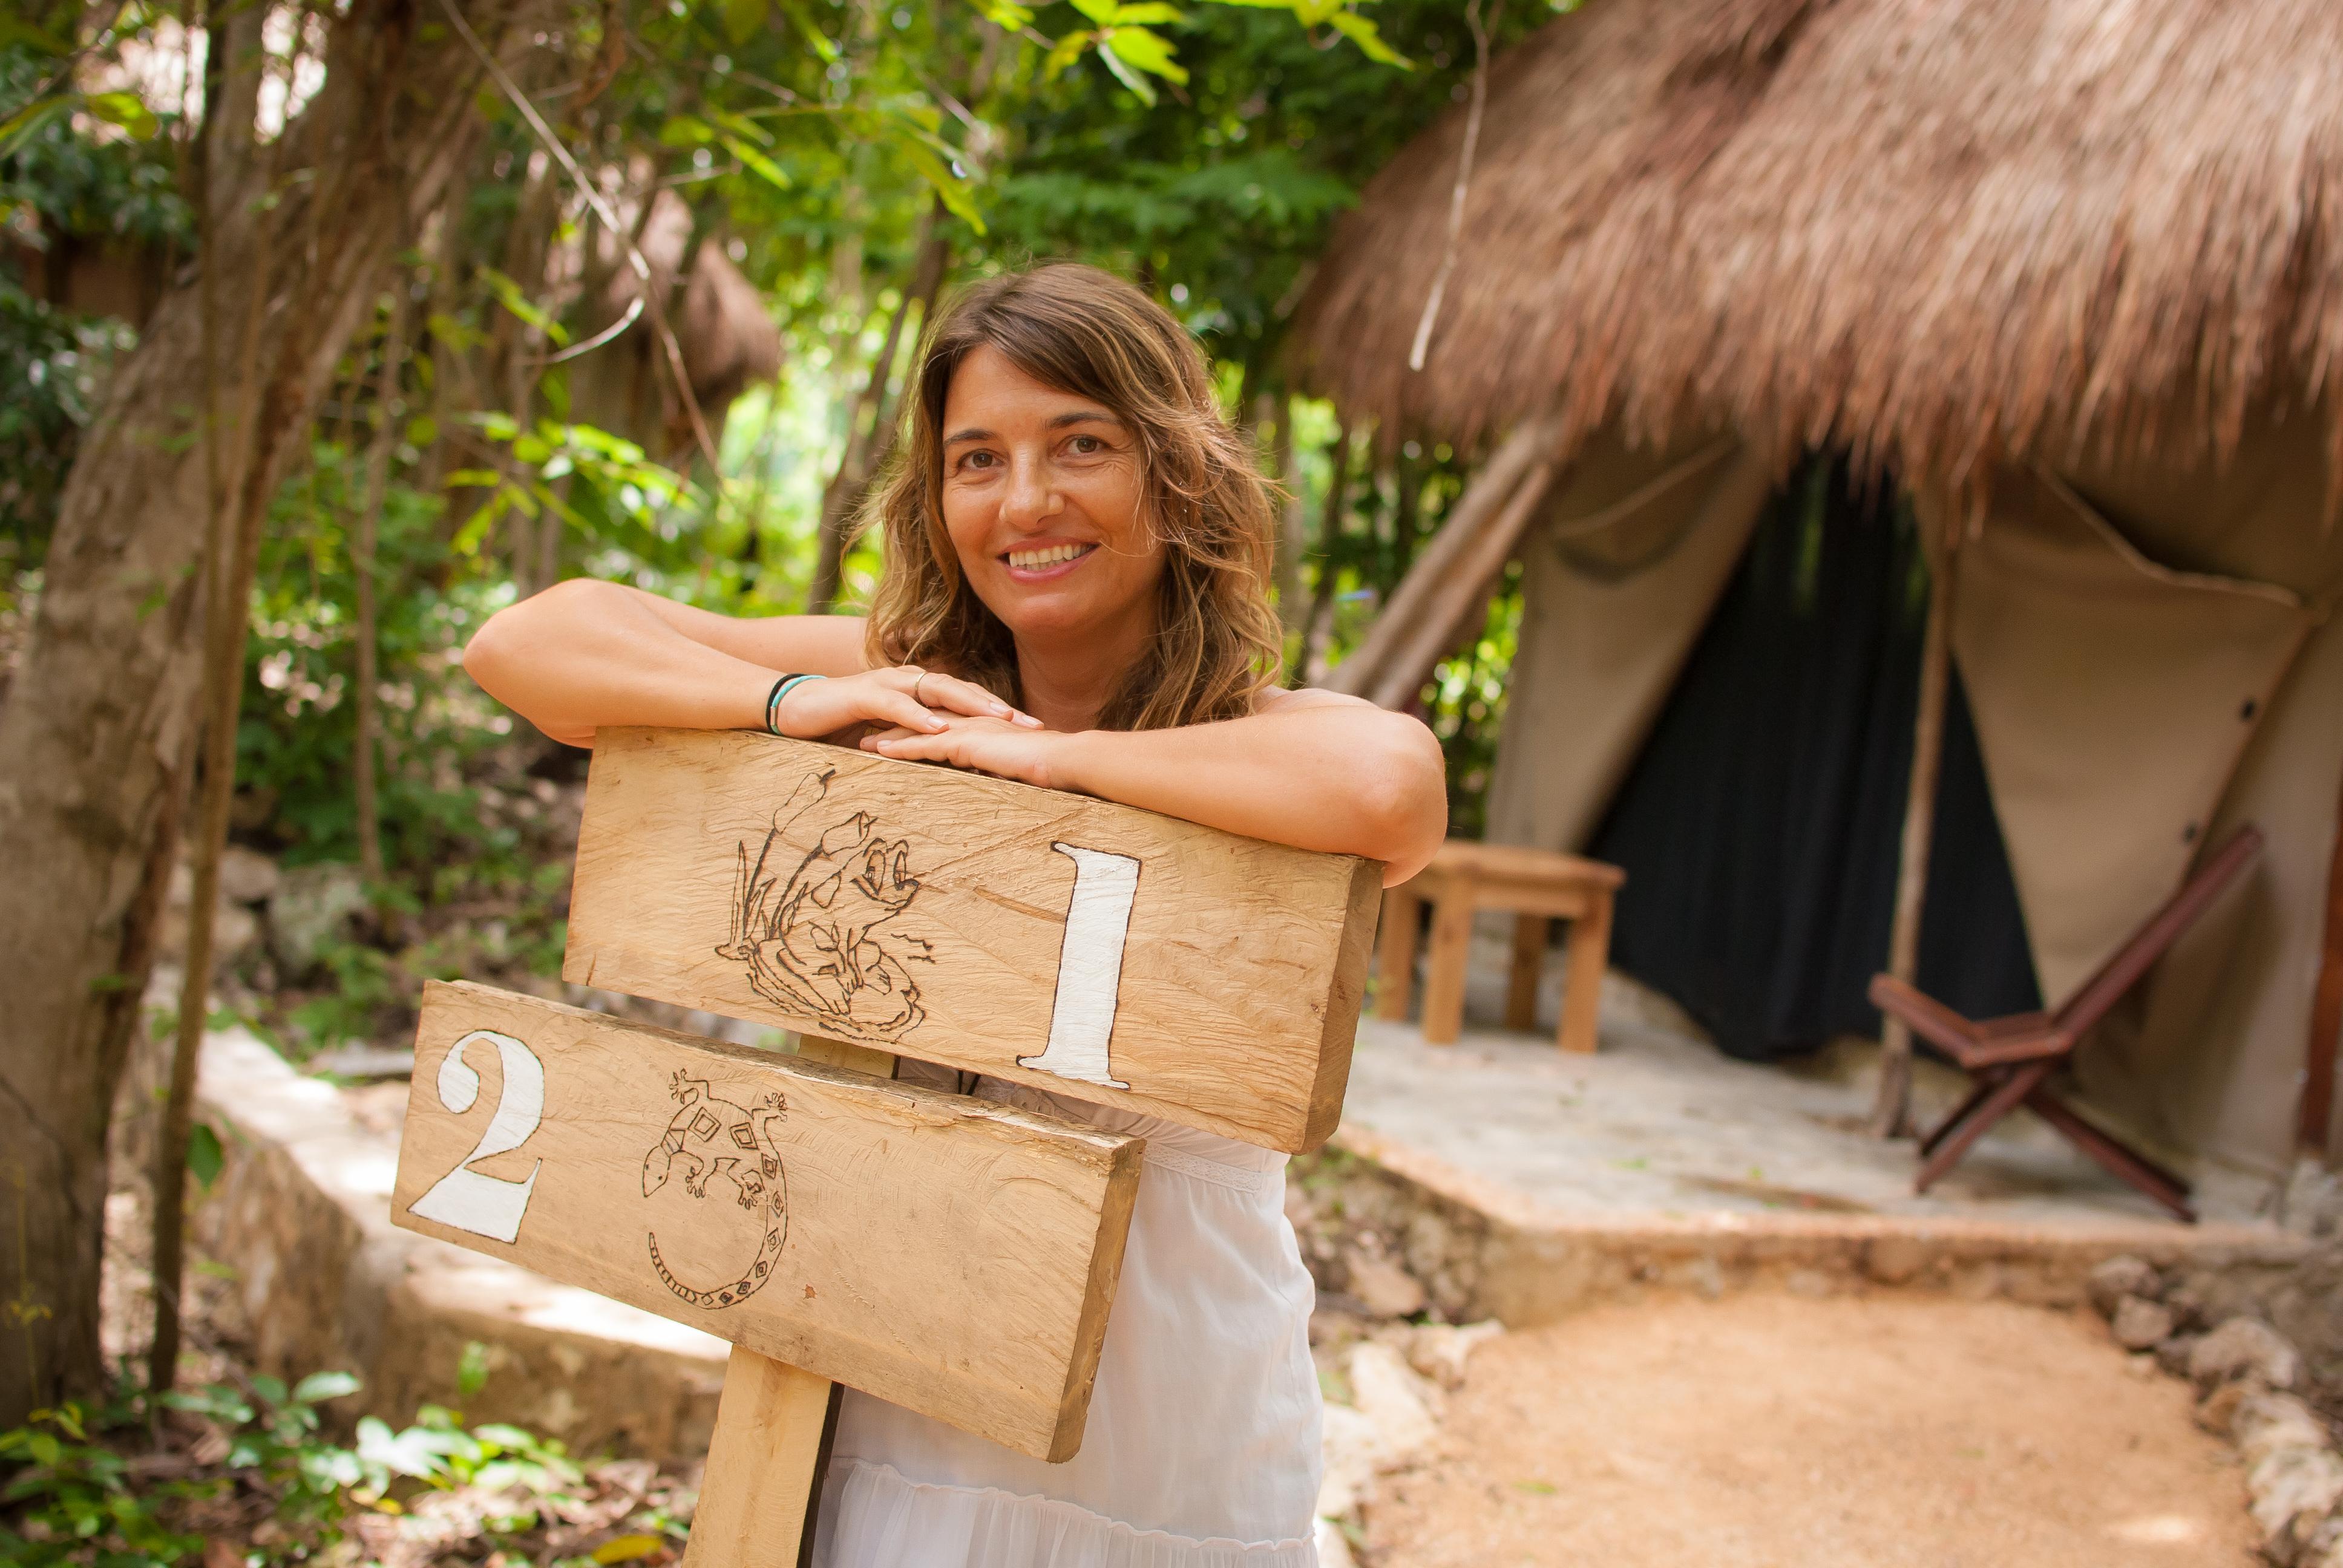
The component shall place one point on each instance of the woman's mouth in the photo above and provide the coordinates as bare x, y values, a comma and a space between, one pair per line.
1038, 563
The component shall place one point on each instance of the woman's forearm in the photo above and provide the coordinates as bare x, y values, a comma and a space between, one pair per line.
1350, 779
588, 654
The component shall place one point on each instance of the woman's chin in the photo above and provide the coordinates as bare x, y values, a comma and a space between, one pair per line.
1039, 615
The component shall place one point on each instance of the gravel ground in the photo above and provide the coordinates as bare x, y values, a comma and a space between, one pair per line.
1777, 1431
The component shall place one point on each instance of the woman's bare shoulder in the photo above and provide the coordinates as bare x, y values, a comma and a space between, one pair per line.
1293, 699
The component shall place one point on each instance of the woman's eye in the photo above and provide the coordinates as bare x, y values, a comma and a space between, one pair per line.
1087, 446
978, 459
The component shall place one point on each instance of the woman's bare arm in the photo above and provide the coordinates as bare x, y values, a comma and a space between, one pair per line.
585, 654
1315, 770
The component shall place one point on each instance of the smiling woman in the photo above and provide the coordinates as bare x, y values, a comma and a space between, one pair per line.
1073, 513
1075, 596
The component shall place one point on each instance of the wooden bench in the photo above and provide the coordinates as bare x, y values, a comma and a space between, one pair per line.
1537, 886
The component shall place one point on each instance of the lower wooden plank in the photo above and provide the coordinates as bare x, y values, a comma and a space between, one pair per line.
763, 1479
945, 1254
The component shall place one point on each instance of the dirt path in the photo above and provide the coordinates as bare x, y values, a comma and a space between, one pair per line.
1774, 1431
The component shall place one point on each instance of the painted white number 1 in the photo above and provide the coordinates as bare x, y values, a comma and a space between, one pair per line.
1090, 967
489, 1206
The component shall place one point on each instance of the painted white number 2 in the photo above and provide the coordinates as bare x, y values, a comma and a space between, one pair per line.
489, 1206
1090, 967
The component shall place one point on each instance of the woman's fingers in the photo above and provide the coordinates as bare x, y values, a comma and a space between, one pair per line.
957, 696
905, 711
962, 697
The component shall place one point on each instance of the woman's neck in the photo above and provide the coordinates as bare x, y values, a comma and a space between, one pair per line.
1067, 683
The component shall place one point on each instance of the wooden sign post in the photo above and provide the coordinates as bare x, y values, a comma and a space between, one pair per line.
947, 1253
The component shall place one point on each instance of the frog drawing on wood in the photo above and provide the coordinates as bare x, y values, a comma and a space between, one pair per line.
812, 913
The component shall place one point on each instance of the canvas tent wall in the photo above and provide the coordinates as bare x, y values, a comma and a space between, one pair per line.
2048, 265
2129, 708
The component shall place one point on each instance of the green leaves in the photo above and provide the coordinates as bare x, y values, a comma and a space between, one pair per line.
1360, 31
744, 19
509, 294
126, 110
206, 1158
1130, 49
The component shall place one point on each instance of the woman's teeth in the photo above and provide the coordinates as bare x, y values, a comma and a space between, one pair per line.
1048, 556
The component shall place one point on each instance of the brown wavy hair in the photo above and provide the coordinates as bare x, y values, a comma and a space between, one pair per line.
1089, 333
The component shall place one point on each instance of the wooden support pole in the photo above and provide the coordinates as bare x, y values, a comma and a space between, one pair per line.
1441, 558
1891, 1113
2326, 1014
759, 1494
1449, 614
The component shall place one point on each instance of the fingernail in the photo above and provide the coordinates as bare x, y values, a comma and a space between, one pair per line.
1029, 721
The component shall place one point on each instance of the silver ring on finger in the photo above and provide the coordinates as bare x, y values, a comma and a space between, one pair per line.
915, 688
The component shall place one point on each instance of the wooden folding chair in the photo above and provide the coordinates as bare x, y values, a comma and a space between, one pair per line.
2011, 1058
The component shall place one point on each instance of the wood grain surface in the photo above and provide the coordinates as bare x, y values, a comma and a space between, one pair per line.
946, 1254
1092, 949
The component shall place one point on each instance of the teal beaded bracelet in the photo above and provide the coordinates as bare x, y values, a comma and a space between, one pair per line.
781, 688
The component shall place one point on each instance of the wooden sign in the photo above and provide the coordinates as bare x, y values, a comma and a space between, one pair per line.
948, 1254
1105, 952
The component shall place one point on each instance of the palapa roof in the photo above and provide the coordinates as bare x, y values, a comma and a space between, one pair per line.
1935, 231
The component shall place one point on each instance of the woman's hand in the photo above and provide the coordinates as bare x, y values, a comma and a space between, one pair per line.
1017, 749
906, 699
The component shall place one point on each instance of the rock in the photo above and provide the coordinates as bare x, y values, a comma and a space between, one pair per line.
2140, 1324
364, 1062
1388, 1290
2117, 1278
2293, 1490
248, 876
312, 905
2325, 1547
1440, 1351
2311, 1203
234, 930
2244, 1347
2263, 1423
1396, 1401
2218, 1413
2172, 1355
1348, 1444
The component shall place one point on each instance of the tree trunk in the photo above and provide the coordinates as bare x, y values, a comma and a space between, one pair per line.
362, 570
95, 737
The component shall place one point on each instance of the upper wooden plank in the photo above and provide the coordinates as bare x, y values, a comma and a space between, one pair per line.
976, 923
945, 1254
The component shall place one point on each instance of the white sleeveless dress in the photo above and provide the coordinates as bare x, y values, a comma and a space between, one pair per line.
1201, 1449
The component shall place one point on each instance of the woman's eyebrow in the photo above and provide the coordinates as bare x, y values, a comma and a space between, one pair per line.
1073, 416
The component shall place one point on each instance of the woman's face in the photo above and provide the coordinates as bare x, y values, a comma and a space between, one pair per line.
1046, 503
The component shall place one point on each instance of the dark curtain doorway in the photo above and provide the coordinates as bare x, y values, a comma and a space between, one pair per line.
1760, 827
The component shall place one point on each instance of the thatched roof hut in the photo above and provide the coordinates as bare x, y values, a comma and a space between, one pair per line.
1941, 230
2066, 276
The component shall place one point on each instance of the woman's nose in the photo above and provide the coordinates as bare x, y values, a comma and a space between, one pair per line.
1032, 498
